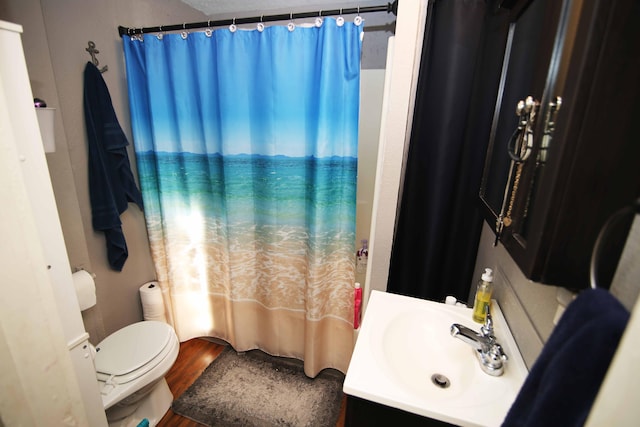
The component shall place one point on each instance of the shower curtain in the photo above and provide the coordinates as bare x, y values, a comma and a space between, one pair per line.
246, 145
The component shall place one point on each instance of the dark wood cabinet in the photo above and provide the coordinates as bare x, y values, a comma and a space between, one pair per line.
574, 166
364, 413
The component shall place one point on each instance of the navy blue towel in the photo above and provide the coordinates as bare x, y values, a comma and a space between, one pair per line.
111, 182
565, 379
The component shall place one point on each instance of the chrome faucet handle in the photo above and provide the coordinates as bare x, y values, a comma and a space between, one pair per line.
497, 350
487, 329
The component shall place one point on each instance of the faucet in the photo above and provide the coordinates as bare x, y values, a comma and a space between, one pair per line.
489, 353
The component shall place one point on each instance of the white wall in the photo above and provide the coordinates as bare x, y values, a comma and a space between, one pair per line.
371, 87
403, 63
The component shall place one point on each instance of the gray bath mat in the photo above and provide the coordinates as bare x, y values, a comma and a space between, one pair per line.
255, 389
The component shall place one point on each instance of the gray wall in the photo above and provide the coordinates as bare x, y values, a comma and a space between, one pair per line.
529, 307
55, 37
532, 309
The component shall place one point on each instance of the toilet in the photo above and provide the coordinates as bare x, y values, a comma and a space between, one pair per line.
130, 365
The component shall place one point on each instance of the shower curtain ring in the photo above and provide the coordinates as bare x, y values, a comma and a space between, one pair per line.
184, 34
358, 19
208, 31
291, 26
160, 35
319, 19
260, 25
340, 19
233, 27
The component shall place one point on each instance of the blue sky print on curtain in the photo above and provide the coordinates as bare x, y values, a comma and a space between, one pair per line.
246, 144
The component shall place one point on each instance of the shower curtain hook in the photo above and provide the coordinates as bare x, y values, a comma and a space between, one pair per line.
208, 32
233, 27
260, 25
358, 19
340, 19
319, 19
291, 26
160, 35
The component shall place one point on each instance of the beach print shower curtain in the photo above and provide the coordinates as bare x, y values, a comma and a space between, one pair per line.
246, 146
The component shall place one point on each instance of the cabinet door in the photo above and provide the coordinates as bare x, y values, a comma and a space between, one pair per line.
548, 204
525, 67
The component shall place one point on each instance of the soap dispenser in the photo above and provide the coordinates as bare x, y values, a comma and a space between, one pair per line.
483, 296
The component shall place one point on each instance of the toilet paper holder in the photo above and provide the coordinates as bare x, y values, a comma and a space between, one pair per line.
76, 269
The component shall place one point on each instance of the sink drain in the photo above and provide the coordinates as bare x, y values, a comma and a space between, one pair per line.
440, 380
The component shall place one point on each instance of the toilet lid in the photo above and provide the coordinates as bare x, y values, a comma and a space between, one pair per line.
132, 347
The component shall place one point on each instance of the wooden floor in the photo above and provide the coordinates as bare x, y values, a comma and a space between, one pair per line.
194, 356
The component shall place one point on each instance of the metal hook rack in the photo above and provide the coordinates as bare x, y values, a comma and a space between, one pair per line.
93, 52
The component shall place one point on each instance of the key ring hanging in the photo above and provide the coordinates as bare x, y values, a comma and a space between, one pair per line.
519, 148
521, 142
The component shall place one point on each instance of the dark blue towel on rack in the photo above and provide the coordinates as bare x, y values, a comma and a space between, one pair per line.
111, 182
566, 377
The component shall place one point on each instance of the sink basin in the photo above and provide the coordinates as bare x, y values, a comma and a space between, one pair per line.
406, 358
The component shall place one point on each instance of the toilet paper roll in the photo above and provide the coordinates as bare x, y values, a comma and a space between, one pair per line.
152, 302
85, 289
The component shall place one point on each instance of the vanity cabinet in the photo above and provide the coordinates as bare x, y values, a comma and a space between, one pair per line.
568, 157
363, 413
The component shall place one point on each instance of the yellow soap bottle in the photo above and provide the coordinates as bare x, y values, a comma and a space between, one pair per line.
483, 296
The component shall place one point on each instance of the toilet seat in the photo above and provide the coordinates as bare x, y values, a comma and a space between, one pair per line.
132, 351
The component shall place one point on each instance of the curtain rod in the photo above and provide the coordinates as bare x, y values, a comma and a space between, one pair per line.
389, 8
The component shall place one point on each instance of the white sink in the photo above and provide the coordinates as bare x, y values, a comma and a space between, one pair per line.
405, 341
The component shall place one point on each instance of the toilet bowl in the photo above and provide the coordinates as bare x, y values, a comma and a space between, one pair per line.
130, 365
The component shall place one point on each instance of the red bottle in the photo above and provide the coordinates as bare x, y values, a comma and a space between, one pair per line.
357, 297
